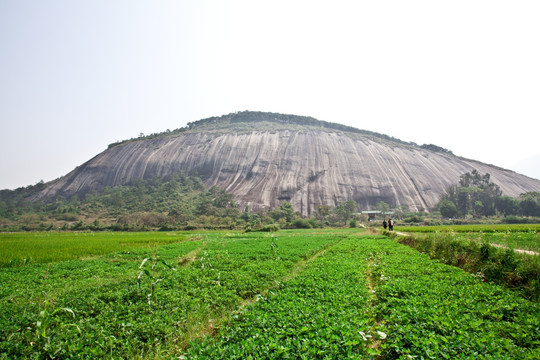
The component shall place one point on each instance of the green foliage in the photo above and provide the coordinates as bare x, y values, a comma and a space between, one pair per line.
13, 202
382, 207
302, 224
474, 195
269, 228
512, 219
322, 212
305, 294
435, 148
482, 193
529, 204
146, 272
345, 210
284, 213
142, 205
507, 205
215, 273
46, 318
488, 255
414, 219
448, 209
432, 310
248, 117
320, 313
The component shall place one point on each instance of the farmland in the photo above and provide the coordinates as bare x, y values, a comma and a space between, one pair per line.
44, 247
325, 293
524, 236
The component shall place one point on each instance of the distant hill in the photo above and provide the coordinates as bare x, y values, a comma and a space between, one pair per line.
264, 159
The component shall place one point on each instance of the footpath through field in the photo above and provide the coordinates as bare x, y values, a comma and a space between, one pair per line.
521, 251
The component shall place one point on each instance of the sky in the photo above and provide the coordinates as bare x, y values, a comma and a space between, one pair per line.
76, 76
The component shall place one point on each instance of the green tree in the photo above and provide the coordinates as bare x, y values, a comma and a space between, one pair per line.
284, 211
529, 204
448, 209
254, 219
345, 210
220, 198
245, 214
382, 207
506, 205
478, 208
323, 211
475, 194
400, 211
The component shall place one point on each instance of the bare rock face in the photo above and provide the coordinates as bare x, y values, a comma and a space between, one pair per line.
265, 163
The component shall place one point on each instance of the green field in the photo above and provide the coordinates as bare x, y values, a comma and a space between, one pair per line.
306, 294
43, 247
521, 236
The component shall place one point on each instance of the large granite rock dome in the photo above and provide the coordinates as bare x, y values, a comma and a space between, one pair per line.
265, 159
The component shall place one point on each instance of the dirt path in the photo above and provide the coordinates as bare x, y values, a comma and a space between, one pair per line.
521, 251
371, 285
189, 257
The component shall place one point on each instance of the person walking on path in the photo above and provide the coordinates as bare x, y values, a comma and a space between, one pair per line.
384, 224
390, 224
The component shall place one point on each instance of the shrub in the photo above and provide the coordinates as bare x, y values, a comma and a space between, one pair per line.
301, 224
513, 219
448, 209
265, 228
414, 219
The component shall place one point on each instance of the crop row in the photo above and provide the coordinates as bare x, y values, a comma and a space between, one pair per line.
419, 309
435, 311
323, 313
515, 270
124, 306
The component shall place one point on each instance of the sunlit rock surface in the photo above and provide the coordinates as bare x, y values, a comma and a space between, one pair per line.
306, 165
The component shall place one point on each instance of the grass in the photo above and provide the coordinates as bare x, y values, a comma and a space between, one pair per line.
516, 236
491, 228
46, 247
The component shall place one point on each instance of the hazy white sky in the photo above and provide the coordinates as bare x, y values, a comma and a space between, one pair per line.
76, 76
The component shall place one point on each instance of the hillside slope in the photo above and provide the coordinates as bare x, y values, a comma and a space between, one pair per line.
264, 160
